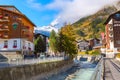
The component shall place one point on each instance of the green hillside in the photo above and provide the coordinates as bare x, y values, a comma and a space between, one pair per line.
91, 26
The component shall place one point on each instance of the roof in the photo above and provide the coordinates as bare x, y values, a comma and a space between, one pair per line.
94, 39
10, 6
2, 7
82, 41
110, 17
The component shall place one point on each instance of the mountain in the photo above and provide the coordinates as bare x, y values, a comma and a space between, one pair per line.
45, 30
92, 26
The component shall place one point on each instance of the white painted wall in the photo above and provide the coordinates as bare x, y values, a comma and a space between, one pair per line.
20, 43
111, 45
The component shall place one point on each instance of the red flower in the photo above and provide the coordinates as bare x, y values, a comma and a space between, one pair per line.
0, 26
1, 16
14, 46
27, 27
5, 46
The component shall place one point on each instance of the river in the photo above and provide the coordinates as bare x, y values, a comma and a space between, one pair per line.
82, 71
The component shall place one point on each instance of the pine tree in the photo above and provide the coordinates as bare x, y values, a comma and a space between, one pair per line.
53, 41
40, 45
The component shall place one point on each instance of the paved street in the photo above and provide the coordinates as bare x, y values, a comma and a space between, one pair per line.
111, 70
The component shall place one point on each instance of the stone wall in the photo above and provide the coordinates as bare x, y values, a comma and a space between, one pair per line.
35, 71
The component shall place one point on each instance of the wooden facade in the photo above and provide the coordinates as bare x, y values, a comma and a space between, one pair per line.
16, 33
14, 24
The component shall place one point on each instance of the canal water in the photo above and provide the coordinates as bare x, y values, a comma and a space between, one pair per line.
82, 71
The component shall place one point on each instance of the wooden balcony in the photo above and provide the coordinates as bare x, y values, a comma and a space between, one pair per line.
5, 36
4, 18
4, 29
19, 19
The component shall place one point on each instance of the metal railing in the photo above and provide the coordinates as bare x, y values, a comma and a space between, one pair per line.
29, 61
99, 71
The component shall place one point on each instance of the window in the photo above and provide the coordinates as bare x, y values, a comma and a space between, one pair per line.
5, 33
29, 46
5, 44
6, 15
15, 44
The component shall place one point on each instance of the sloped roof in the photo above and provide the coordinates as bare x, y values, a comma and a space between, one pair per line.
110, 17
4, 7
10, 7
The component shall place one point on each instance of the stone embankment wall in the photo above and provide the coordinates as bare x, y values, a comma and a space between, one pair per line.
35, 71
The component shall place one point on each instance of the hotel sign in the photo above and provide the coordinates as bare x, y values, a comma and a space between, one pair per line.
116, 23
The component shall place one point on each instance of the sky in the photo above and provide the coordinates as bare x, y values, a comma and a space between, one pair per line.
57, 12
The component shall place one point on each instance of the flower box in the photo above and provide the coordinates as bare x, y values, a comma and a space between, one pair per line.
5, 46
14, 46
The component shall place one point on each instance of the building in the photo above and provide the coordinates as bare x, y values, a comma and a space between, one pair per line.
112, 34
16, 32
90, 44
83, 45
94, 43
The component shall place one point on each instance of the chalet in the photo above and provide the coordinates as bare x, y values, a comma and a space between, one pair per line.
83, 45
16, 32
94, 43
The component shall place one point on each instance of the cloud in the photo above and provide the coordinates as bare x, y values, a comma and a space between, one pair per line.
34, 4
72, 10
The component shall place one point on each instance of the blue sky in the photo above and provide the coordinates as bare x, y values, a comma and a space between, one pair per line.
46, 12
37, 15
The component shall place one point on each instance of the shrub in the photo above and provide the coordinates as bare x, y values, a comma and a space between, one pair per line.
118, 55
94, 52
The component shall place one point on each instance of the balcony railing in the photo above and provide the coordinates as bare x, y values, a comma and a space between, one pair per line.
4, 29
4, 18
5, 36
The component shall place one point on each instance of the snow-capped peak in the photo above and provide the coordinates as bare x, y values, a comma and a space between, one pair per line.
47, 28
